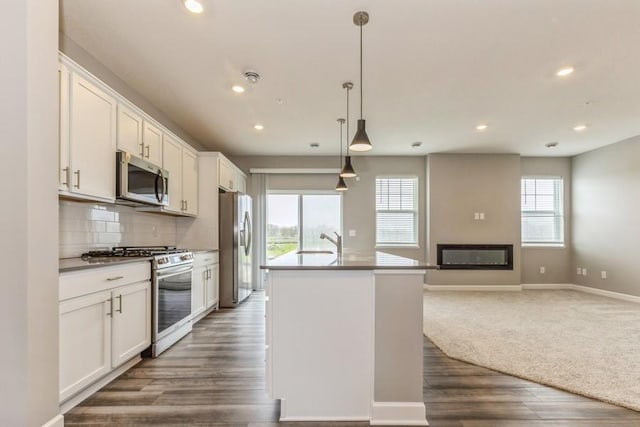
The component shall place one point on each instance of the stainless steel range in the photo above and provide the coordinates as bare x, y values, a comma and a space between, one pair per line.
171, 283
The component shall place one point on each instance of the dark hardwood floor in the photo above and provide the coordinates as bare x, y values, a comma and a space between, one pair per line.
215, 377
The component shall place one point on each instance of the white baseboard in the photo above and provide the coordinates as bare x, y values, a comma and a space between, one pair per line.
398, 413
473, 287
602, 292
57, 421
542, 286
70, 403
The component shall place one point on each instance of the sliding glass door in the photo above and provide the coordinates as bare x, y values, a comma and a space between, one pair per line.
295, 222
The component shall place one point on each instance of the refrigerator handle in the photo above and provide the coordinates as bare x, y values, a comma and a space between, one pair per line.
247, 233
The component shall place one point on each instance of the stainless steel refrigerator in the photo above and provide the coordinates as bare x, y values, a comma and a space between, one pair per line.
235, 248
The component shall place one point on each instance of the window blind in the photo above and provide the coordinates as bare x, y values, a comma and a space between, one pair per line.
396, 211
542, 210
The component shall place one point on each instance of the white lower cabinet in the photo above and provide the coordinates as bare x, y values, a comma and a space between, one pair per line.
204, 286
85, 341
131, 331
103, 323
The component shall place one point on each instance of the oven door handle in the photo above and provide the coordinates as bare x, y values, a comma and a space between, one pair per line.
173, 272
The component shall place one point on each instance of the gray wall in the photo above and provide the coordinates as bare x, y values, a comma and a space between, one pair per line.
606, 216
91, 64
359, 200
29, 262
556, 260
459, 186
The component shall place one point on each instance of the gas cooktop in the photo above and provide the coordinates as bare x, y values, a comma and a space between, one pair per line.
133, 251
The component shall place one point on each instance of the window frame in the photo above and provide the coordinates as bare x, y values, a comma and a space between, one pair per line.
416, 213
300, 194
559, 215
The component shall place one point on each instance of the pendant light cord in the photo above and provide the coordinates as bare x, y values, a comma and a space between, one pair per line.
341, 123
360, 70
347, 119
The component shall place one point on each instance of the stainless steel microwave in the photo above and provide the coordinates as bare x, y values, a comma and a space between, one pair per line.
140, 181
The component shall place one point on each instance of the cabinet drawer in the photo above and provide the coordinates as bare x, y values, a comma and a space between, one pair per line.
205, 258
77, 283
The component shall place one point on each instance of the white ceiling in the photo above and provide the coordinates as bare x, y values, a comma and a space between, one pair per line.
433, 70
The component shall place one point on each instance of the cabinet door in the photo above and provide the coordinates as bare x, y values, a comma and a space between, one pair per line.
131, 321
172, 162
64, 172
227, 176
92, 140
85, 341
241, 183
190, 182
212, 286
198, 289
129, 131
152, 139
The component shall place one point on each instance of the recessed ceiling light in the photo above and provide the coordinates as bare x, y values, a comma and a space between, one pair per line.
193, 6
579, 128
551, 144
237, 89
482, 127
258, 127
565, 71
416, 144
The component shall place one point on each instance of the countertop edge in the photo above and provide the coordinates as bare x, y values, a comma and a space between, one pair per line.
83, 265
349, 267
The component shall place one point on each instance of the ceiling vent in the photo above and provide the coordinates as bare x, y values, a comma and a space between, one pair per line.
252, 76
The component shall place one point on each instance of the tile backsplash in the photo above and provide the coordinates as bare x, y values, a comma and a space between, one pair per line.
93, 226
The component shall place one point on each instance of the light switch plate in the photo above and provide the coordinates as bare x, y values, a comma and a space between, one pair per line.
482, 216
542, 269
584, 271
579, 271
476, 216
352, 233
603, 274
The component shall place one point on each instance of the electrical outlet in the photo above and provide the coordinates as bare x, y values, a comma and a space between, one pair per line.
357, 178
603, 274
352, 233
542, 270
579, 271
481, 216
584, 271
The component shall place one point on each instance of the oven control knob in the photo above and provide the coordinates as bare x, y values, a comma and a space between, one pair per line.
162, 260
185, 257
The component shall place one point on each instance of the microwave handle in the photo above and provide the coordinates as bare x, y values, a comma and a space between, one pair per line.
160, 177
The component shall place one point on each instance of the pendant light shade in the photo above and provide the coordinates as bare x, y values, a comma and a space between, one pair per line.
361, 139
341, 185
347, 170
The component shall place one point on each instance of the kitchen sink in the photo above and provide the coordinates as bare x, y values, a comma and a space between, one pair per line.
313, 252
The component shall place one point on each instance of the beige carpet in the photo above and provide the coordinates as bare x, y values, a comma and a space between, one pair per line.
578, 342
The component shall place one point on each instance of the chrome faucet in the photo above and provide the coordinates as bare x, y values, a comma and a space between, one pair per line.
337, 242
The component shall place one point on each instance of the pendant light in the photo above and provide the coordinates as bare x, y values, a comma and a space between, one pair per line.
347, 170
341, 185
361, 140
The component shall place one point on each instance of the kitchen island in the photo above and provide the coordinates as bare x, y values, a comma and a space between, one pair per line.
344, 337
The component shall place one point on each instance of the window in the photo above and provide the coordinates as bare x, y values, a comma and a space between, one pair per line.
295, 222
542, 210
396, 211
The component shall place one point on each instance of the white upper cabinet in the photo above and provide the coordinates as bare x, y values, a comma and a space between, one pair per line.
172, 162
92, 140
94, 122
129, 130
227, 175
64, 171
230, 177
190, 181
152, 142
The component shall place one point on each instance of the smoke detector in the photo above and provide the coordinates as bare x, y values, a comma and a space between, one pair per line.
252, 76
